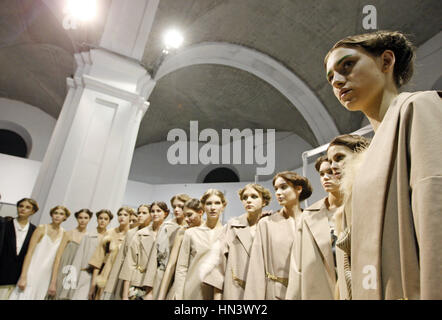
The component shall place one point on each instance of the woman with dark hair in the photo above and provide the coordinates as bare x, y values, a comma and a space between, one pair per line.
397, 193
61, 280
269, 264
141, 256
196, 245
37, 267
114, 288
104, 256
84, 253
345, 154
229, 259
193, 214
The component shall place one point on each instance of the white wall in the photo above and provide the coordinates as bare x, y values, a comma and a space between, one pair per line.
19, 175
32, 124
150, 163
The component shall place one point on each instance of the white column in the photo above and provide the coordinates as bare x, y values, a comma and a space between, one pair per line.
88, 159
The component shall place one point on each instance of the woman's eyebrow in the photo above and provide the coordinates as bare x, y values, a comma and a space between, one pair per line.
339, 62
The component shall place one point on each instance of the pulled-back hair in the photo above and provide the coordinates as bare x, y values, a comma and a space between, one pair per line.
353, 142
181, 197
106, 211
129, 210
264, 192
295, 179
33, 203
212, 192
162, 205
376, 43
89, 212
319, 161
194, 204
67, 213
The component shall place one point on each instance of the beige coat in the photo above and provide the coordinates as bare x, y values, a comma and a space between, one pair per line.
114, 286
196, 244
269, 265
397, 204
315, 278
230, 270
138, 256
163, 246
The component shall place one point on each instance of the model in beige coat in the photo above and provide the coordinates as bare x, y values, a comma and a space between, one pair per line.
396, 242
194, 249
232, 252
106, 253
397, 221
269, 265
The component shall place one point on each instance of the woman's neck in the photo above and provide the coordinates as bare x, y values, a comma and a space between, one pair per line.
252, 217
212, 222
22, 220
292, 211
54, 225
156, 225
180, 220
101, 230
81, 229
123, 227
334, 200
376, 114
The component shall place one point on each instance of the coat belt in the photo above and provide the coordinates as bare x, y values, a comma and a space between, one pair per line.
284, 281
240, 282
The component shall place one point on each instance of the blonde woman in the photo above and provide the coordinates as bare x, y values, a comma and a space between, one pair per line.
230, 255
37, 267
66, 254
194, 248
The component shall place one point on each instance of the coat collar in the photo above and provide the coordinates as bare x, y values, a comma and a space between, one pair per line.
316, 219
147, 238
239, 226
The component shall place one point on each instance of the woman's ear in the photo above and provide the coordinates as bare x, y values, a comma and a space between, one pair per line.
388, 59
298, 190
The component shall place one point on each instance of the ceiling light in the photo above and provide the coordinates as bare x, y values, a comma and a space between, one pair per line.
173, 39
83, 10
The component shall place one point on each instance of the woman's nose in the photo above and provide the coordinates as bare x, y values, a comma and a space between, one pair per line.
338, 80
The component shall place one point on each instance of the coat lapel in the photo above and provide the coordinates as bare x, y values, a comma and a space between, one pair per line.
320, 229
243, 233
147, 241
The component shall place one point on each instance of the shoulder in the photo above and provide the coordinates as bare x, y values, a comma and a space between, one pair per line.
420, 101
314, 207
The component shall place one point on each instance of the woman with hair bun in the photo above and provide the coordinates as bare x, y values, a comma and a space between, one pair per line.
37, 267
229, 259
196, 245
269, 264
61, 280
396, 244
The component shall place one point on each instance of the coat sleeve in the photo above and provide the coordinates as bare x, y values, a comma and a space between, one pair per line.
256, 283
425, 167
182, 267
130, 260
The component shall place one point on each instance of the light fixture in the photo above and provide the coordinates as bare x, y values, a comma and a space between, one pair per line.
83, 10
172, 39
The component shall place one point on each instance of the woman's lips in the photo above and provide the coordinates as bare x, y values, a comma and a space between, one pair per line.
344, 92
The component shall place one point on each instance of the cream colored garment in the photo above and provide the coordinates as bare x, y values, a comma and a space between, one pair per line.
270, 258
397, 204
232, 255
194, 248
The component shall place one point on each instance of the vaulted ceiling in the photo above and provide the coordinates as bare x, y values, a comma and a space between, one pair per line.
36, 56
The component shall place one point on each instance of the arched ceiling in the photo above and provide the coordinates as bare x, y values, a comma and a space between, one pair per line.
36, 56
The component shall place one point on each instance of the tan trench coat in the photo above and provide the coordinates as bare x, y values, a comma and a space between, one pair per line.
163, 246
315, 277
230, 273
397, 204
269, 265
196, 244
138, 256
114, 286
